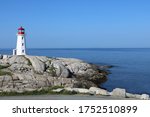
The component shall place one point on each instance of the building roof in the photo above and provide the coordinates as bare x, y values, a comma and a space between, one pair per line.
21, 28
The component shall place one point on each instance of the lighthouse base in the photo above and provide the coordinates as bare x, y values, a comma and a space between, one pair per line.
14, 52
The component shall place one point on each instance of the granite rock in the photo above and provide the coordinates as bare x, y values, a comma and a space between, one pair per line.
118, 92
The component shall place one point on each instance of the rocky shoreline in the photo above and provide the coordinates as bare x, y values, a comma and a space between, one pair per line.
118, 93
30, 73
23, 73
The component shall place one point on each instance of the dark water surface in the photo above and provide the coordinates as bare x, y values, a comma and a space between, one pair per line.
131, 71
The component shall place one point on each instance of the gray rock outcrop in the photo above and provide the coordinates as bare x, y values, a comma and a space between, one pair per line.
29, 73
145, 96
37, 64
118, 92
17, 60
60, 69
98, 91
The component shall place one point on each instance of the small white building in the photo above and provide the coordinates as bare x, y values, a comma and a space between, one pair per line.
21, 43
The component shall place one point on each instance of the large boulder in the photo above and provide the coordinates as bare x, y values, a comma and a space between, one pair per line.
72, 64
60, 69
38, 65
58, 90
75, 66
98, 91
83, 70
78, 90
145, 96
118, 92
130, 95
68, 89
81, 90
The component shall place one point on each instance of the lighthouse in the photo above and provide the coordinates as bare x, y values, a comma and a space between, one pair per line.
21, 42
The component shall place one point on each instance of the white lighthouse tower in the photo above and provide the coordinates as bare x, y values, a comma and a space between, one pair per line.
21, 42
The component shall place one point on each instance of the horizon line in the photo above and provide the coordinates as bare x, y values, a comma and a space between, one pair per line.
91, 48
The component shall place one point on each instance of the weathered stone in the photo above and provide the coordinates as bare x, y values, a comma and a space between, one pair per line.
33, 72
43, 58
67, 82
7, 78
78, 68
83, 84
145, 96
57, 82
58, 90
137, 96
60, 70
48, 64
81, 90
38, 65
29, 89
118, 92
5, 56
20, 67
130, 95
98, 91
7, 90
74, 65
78, 90
18, 60
68, 89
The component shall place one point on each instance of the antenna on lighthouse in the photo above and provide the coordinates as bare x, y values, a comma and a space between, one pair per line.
21, 42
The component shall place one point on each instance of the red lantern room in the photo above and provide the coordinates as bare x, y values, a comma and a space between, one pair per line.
21, 30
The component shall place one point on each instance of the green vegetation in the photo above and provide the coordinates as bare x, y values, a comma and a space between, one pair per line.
50, 61
3, 66
47, 91
55, 87
29, 62
52, 70
2, 73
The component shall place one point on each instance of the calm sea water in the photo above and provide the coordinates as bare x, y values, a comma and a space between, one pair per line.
131, 71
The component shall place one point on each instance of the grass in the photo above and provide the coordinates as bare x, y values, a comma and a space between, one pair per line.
2, 73
4, 66
47, 91
55, 87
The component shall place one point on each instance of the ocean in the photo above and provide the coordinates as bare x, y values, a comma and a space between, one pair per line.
131, 65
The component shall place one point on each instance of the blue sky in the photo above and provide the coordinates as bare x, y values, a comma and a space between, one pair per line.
76, 23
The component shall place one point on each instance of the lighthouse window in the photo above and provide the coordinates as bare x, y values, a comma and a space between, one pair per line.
22, 37
22, 51
22, 44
